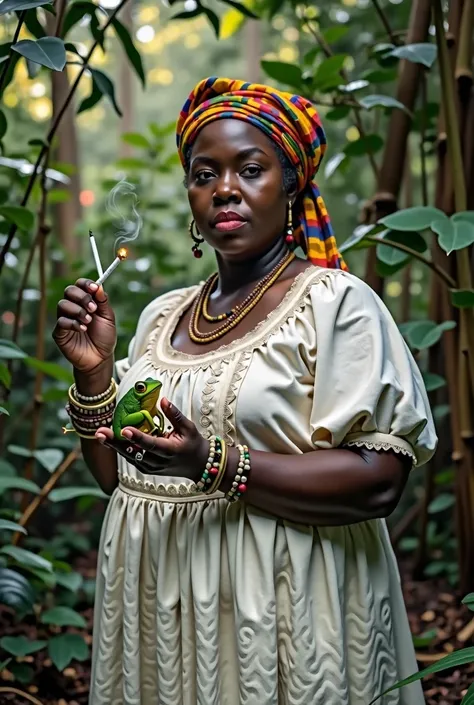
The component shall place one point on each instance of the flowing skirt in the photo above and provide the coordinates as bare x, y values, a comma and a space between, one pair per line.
203, 602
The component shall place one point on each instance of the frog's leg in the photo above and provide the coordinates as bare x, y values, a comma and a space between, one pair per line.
134, 419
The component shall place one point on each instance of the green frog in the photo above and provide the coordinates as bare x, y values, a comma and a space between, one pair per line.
136, 408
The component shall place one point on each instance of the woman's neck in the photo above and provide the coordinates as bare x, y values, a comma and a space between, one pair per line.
233, 276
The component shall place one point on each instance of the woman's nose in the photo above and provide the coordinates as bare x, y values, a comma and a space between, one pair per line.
227, 189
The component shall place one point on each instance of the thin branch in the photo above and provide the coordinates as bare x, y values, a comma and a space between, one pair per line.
7, 63
45, 491
357, 118
27, 696
448, 280
385, 22
424, 106
47, 144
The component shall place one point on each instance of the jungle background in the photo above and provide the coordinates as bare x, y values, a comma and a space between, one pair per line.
89, 98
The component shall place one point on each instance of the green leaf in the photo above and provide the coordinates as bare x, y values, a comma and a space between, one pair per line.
333, 164
132, 163
106, 87
4, 411
64, 493
356, 240
7, 525
17, 5
334, 34
20, 645
17, 483
3, 125
433, 381
453, 234
33, 25
289, 74
425, 639
7, 469
15, 590
4, 664
464, 215
52, 369
95, 96
129, 47
413, 219
424, 334
469, 601
462, 298
468, 699
441, 502
10, 351
71, 581
380, 75
457, 658
5, 375
63, 617
380, 101
329, 70
21, 216
393, 257
369, 144
213, 19
241, 8
64, 648
136, 140
48, 51
417, 53
22, 672
353, 86
339, 113
26, 558
75, 14
47, 578
19, 450
49, 458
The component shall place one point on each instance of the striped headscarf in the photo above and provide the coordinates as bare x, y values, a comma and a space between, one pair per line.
291, 122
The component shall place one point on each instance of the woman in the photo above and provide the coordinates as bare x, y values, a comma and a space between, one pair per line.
280, 585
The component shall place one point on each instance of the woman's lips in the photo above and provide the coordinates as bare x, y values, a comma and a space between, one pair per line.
226, 225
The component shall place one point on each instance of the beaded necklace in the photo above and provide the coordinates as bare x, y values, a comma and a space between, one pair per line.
233, 317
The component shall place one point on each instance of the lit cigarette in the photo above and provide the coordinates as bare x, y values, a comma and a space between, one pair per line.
122, 254
95, 252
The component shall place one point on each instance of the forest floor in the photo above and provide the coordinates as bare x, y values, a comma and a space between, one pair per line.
432, 607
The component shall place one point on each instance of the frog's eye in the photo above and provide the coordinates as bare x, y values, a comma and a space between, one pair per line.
140, 387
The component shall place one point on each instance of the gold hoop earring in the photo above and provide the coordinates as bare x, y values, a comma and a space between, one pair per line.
196, 238
289, 238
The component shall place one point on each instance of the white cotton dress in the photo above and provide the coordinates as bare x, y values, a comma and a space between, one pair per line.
202, 602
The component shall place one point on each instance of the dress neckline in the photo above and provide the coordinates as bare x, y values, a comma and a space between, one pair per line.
161, 352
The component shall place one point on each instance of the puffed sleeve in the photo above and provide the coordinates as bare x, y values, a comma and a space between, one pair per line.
368, 390
147, 321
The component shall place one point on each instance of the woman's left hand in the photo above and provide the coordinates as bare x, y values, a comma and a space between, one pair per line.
181, 453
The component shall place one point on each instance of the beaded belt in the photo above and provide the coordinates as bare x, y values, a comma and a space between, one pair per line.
164, 493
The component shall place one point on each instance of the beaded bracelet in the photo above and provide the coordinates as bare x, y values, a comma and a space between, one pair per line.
239, 483
211, 469
86, 417
97, 397
222, 464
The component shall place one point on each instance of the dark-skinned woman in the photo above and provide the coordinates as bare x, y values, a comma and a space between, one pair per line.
244, 557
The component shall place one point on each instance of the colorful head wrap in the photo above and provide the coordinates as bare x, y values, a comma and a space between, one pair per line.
290, 121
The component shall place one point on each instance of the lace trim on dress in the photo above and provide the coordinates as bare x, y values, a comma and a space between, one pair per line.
160, 351
380, 445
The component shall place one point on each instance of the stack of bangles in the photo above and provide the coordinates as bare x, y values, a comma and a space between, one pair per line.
216, 466
88, 413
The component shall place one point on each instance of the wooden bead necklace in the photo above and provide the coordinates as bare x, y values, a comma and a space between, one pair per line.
239, 312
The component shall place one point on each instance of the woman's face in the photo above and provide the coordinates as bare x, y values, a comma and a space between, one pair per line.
235, 189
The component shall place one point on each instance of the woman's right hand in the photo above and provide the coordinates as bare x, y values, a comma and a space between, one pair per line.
85, 329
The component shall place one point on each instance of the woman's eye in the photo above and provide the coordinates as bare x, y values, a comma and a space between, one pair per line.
252, 170
204, 175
